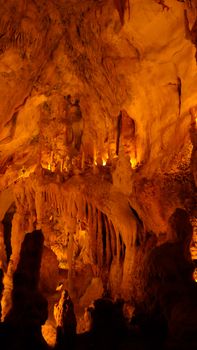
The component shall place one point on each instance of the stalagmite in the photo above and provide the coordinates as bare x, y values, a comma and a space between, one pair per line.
6, 301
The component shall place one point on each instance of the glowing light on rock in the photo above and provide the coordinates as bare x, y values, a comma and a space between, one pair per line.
105, 157
195, 275
82, 233
59, 287
133, 162
49, 166
94, 154
49, 333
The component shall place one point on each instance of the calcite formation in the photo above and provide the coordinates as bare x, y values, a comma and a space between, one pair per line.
98, 137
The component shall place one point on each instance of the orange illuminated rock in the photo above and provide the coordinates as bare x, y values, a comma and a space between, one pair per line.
97, 147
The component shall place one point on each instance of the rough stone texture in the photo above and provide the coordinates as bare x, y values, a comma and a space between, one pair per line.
97, 131
166, 303
93, 292
49, 274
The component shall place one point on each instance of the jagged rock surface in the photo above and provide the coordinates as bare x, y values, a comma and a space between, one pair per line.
97, 132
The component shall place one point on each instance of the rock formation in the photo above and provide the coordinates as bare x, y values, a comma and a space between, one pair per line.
98, 140
29, 307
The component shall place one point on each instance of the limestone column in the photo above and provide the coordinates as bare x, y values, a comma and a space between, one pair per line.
39, 207
6, 301
71, 269
19, 229
129, 258
3, 257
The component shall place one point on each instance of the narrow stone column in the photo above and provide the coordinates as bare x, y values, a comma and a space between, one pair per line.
19, 229
3, 257
6, 301
71, 268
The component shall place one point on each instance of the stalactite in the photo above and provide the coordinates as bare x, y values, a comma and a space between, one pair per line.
61, 204
46, 196
59, 200
89, 213
118, 244
70, 261
17, 38
92, 235
56, 201
69, 203
104, 238
100, 250
3, 257
122, 248
113, 239
73, 208
39, 207
57, 204
120, 5
86, 210
119, 125
81, 209
64, 203
108, 243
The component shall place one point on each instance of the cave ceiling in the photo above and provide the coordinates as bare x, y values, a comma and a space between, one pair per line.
70, 69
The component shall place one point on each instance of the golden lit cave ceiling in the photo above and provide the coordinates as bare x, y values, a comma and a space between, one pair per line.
70, 70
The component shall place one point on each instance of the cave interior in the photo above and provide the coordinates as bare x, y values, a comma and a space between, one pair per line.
98, 174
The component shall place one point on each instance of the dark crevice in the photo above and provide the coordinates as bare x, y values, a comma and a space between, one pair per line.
136, 215
120, 5
114, 238
86, 210
119, 126
7, 223
140, 228
22, 104
122, 248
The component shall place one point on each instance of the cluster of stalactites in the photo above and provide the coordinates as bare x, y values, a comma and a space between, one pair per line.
105, 241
